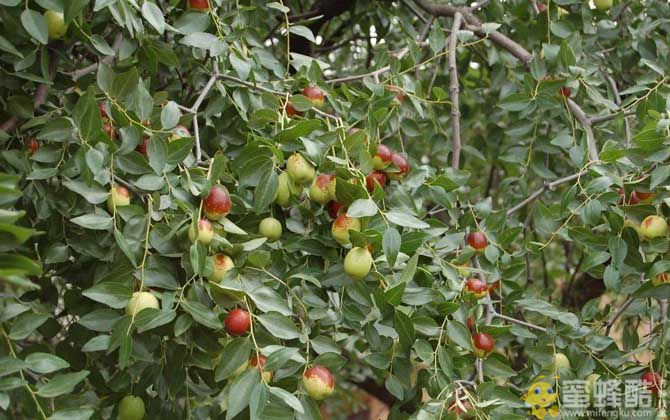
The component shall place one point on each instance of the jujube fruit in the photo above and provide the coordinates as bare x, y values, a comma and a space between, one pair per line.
358, 262
200, 5
118, 197
204, 234
237, 322
300, 169
222, 264
131, 408
217, 203
653, 227
652, 380
258, 362
374, 178
401, 163
55, 24
476, 288
382, 157
482, 344
140, 301
319, 191
315, 95
477, 240
341, 227
319, 382
270, 228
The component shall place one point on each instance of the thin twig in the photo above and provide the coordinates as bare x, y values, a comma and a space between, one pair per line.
617, 314
597, 119
520, 322
453, 92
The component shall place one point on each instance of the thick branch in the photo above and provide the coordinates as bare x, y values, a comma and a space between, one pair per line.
585, 122
453, 92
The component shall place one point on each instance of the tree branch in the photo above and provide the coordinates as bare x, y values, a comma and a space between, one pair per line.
585, 122
617, 314
453, 92
547, 186
78, 74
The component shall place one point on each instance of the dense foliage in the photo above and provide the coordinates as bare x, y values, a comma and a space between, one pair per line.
190, 230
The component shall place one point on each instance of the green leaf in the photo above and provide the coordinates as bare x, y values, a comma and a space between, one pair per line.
279, 358
45, 363
36, 25
548, 310
202, 314
265, 191
258, 401
267, 300
170, 114
235, 354
240, 392
73, 414
278, 325
405, 328
459, 334
151, 318
26, 324
157, 152
93, 221
391, 245
288, 398
61, 384
102, 46
406, 220
363, 207
302, 31
153, 14
112, 294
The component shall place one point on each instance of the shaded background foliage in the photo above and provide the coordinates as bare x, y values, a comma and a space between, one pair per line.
560, 239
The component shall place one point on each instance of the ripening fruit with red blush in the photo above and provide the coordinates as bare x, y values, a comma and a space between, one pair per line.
541, 7
32, 146
470, 323
315, 95
652, 380
204, 234
335, 208
319, 191
476, 240
399, 95
201, 5
476, 288
258, 362
238, 322
118, 197
102, 107
653, 227
142, 147
109, 130
564, 92
401, 163
382, 157
341, 227
482, 344
375, 177
291, 111
319, 382
217, 203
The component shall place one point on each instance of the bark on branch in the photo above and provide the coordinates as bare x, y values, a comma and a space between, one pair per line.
453, 92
